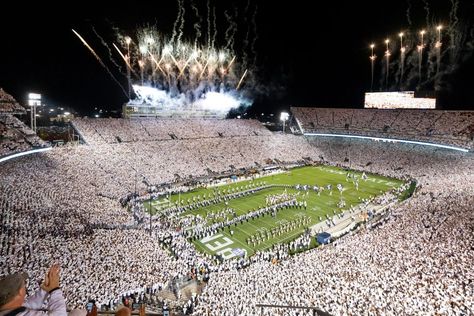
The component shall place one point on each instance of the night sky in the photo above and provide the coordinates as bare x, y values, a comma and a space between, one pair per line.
309, 53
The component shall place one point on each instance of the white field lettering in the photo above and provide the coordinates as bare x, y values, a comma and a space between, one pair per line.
219, 243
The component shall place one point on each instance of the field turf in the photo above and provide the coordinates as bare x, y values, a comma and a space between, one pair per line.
317, 205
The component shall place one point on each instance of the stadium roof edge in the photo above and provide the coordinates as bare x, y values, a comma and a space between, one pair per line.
374, 109
34, 151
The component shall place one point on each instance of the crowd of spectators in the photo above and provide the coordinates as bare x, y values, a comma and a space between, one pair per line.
100, 131
8, 104
454, 128
418, 262
15, 136
63, 206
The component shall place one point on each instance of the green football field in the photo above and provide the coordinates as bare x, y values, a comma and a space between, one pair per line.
295, 220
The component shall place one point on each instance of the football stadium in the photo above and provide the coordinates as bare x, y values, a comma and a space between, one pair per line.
177, 209
226, 206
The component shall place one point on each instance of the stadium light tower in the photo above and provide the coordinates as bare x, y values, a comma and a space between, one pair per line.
34, 99
284, 117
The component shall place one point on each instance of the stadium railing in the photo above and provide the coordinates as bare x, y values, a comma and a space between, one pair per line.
316, 311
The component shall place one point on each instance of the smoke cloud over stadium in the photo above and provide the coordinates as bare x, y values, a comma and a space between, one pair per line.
202, 71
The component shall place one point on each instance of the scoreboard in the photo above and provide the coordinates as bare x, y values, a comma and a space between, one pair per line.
397, 100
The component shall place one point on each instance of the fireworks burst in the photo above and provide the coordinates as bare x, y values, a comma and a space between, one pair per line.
427, 56
187, 72
182, 73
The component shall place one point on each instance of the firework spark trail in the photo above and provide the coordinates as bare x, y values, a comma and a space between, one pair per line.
402, 58
427, 9
175, 62
420, 56
459, 43
100, 62
123, 57
197, 24
387, 55
454, 22
181, 24
129, 68
241, 80
430, 65
175, 25
439, 77
246, 38
228, 31
108, 49
208, 23
184, 67
90, 48
411, 61
231, 29
204, 69
454, 34
254, 23
214, 25
228, 18
125, 60
409, 12
438, 60
453, 17
230, 64
157, 63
